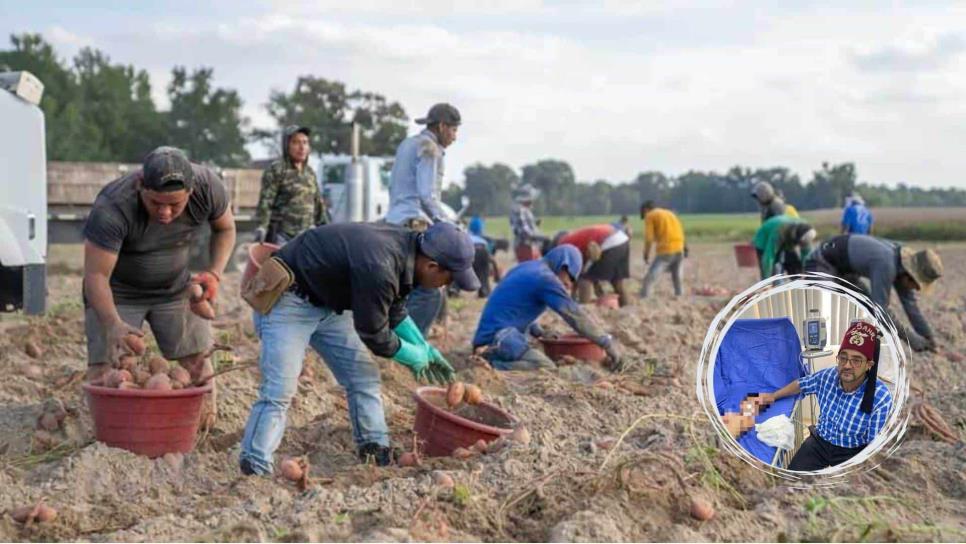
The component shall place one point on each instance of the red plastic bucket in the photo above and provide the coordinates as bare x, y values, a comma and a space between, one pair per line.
576, 346
150, 423
746, 256
527, 252
257, 254
441, 431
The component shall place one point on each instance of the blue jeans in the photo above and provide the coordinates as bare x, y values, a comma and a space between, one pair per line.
511, 351
291, 326
423, 305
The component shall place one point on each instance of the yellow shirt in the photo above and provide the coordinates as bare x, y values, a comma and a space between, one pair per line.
663, 227
790, 210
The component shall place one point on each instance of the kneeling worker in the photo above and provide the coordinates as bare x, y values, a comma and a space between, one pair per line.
301, 297
853, 403
517, 302
608, 249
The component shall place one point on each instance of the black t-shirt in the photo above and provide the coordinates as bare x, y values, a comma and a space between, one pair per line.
152, 263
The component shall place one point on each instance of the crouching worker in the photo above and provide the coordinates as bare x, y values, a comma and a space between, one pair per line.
137, 243
783, 243
853, 403
608, 249
514, 306
303, 297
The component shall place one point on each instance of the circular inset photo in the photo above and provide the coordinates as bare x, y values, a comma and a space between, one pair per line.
803, 376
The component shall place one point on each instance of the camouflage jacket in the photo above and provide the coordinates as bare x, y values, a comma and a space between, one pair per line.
289, 200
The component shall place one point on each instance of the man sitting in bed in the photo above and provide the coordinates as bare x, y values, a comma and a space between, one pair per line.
853, 403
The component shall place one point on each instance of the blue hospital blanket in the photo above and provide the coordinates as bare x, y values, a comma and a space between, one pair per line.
757, 355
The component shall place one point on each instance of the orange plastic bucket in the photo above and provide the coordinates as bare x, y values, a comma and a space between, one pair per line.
746, 256
441, 431
150, 423
257, 254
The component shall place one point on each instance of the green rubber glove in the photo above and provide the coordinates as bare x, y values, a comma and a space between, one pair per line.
439, 367
408, 331
415, 358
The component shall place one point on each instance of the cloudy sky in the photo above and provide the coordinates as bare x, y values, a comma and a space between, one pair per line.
613, 87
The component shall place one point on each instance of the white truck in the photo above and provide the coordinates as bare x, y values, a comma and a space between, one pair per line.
23, 195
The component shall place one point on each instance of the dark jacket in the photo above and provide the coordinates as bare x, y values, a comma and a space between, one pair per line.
367, 268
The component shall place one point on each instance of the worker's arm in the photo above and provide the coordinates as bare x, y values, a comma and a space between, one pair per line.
647, 252
266, 198
910, 303
99, 264
649, 236
556, 297
222, 242
426, 173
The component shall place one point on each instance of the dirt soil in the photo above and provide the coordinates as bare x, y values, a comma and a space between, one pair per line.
572, 482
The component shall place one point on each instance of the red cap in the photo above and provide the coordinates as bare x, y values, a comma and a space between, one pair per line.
861, 337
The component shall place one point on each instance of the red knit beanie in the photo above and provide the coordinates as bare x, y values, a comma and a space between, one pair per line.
861, 337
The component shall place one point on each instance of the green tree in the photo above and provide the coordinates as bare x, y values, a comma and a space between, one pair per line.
489, 188
205, 121
116, 99
830, 185
329, 109
555, 180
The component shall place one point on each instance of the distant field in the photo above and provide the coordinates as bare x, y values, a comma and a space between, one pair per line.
937, 224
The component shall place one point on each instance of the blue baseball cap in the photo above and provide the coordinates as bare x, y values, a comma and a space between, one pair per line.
453, 250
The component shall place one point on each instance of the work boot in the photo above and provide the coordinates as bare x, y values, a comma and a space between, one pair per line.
246, 467
382, 456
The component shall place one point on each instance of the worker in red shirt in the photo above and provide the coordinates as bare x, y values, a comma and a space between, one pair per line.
607, 250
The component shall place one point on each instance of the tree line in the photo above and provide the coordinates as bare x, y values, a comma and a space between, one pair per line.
100, 110
490, 189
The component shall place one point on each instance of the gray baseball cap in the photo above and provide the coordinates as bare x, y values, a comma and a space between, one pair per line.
441, 113
167, 169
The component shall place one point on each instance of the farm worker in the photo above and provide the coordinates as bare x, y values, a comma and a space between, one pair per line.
608, 252
414, 193
856, 218
790, 210
624, 224
483, 261
663, 230
526, 230
783, 243
769, 203
290, 200
137, 241
887, 265
342, 289
853, 403
518, 301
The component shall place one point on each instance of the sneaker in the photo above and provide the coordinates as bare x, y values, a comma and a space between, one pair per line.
382, 456
246, 467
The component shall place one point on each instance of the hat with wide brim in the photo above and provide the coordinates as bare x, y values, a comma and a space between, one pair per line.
925, 267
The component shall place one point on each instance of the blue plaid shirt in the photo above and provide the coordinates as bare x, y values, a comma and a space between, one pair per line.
840, 420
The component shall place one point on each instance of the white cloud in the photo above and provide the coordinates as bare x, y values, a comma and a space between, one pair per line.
800, 87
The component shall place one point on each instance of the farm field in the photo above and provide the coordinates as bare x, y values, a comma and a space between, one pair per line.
939, 224
570, 484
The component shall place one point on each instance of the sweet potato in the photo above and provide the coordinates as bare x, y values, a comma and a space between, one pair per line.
158, 382
408, 459
33, 349
203, 309
520, 435
463, 453
473, 395
127, 362
701, 510
454, 395
158, 365
442, 479
135, 344
291, 470
180, 375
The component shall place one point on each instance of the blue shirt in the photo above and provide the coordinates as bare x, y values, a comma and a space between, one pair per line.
519, 299
416, 180
857, 219
840, 420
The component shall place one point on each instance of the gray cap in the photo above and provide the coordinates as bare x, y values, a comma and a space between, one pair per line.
441, 113
167, 169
